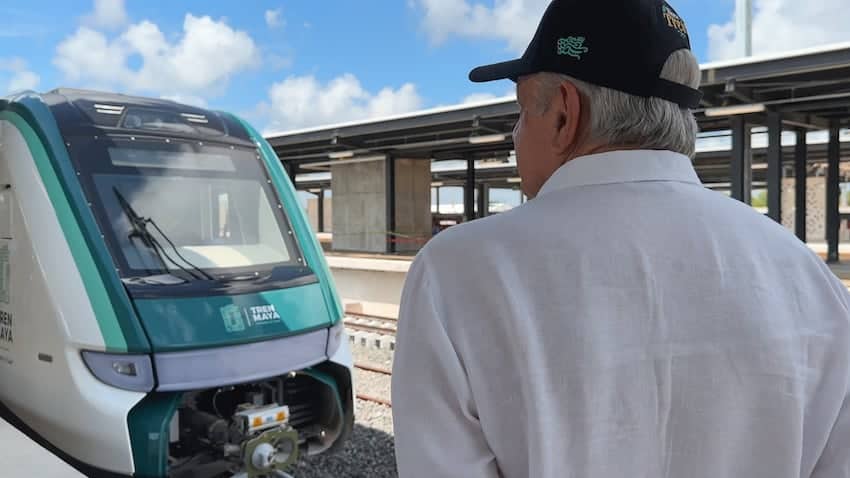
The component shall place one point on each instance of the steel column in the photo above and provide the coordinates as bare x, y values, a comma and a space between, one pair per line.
291, 171
483, 200
469, 190
800, 183
390, 201
321, 219
437, 190
774, 166
741, 161
832, 192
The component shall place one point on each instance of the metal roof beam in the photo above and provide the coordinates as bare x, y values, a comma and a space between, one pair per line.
408, 123
741, 93
823, 60
824, 102
805, 121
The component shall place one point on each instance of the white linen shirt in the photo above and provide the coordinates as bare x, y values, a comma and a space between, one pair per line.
627, 322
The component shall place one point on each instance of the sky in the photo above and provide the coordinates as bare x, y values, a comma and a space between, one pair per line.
289, 64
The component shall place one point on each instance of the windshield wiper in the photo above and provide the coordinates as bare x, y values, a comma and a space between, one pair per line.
176, 251
140, 229
160, 279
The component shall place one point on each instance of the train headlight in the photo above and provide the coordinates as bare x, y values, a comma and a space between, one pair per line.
127, 372
336, 335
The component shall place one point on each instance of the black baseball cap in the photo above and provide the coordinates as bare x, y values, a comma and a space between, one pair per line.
618, 44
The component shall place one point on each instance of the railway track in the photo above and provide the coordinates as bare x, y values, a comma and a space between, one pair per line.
379, 371
372, 331
374, 369
371, 323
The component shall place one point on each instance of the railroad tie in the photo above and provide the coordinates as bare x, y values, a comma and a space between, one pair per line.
387, 342
374, 341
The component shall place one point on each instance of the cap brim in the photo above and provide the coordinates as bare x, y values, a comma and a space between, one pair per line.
499, 71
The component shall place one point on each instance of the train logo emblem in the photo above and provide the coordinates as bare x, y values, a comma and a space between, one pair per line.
232, 316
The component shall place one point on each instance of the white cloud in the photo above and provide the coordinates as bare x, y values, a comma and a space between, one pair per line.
513, 21
301, 101
16, 76
107, 14
273, 18
199, 62
24, 80
782, 25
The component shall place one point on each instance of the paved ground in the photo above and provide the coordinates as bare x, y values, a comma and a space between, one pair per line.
21, 457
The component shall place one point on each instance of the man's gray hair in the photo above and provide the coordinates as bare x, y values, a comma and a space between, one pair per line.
621, 119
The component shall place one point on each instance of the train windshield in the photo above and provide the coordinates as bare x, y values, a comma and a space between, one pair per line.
185, 209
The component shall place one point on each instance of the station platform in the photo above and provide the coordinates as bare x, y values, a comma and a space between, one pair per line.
396, 262
373, 283
23, 457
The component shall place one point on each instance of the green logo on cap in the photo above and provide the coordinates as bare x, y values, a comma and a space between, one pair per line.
572, 46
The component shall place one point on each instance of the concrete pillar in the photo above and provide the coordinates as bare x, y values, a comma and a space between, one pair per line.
359, 196
413, 203
360, 206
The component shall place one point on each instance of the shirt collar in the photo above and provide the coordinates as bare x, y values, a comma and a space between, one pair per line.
615, 167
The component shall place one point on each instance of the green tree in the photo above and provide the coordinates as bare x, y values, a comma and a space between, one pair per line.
759, 199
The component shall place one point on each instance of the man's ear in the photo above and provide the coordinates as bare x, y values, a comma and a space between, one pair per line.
568, 120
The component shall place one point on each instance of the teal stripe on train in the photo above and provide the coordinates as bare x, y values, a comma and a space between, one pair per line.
192, 323
115, 316
148, 422
307, 240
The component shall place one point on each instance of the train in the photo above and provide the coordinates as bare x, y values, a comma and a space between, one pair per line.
165, 308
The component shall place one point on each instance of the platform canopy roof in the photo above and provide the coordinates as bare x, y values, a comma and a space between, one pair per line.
809, 88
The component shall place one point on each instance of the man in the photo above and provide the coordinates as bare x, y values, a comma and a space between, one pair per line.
625, 322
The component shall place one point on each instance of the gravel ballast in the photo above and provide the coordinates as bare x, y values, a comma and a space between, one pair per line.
369, 451
379, 357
